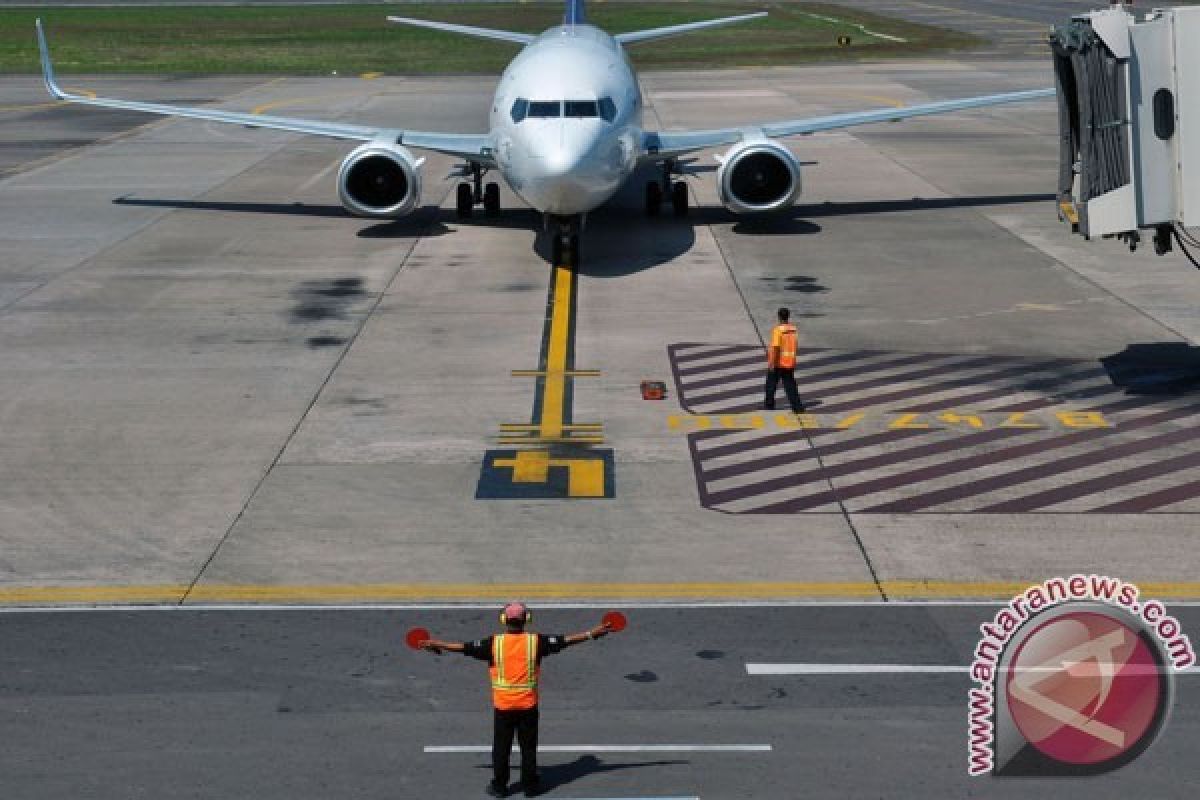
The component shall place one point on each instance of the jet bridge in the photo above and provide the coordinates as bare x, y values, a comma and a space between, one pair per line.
1129, 115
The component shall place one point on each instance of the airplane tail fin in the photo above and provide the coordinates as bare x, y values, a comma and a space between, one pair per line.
574, 14
674, 30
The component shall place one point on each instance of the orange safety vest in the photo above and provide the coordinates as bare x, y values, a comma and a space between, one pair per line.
515, 671
783, 336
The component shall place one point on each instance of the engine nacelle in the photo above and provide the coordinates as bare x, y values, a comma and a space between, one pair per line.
758, 176
380, 181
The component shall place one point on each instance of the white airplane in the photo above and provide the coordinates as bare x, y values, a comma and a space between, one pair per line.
565, 133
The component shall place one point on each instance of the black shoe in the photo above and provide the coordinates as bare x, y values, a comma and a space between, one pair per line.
494, 790
768, 408
800, 409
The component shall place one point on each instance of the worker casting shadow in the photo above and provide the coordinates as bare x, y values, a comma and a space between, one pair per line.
1160, 368
554, 776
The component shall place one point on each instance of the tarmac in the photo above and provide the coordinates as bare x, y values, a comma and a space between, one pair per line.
218, 379
318, 704
220, 388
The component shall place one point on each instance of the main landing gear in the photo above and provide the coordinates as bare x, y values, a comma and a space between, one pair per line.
477, 193
564, 244
677, 189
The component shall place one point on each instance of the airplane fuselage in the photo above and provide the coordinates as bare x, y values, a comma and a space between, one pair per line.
566, 120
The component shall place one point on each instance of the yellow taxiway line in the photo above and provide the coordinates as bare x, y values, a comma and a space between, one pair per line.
554, 394
174, 594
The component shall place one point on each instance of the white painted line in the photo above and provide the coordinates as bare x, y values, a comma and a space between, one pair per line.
862, 28
611, 748
880, 669
851, 669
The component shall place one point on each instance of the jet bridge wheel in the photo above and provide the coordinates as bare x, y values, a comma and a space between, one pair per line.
465, 201
679, 198
491, 199
654, 198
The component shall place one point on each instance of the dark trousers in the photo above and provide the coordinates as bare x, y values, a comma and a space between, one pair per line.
788, 376
525, 725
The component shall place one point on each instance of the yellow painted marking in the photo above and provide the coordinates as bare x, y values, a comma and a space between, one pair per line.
554, 393
530, 466
33, 107
50, 104
370, 76
424, 592
149, 593
296, 101
569, 373
678, 421
1014, 420
585, 476
1082, 419
950, 418
574, 426
944, 420
1069, 212
908, 422
1022, 23
536, 439
741, 422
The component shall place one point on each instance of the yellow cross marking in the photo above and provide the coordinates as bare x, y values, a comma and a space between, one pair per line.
585, 476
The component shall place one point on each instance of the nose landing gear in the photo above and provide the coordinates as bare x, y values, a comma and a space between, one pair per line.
476, 193
564, 246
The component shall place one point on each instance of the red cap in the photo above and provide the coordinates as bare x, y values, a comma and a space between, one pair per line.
515, 612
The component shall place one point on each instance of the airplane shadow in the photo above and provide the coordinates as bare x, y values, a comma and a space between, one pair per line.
1160, 368
424, 221
619, 239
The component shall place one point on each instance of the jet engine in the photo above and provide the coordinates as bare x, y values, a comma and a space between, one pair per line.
758, 176
380, 181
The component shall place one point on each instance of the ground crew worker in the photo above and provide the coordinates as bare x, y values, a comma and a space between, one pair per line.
515, 663
781, 363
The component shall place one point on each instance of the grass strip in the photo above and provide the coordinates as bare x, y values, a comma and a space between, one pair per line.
356, 38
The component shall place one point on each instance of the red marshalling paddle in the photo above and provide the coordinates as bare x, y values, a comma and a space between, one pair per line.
615, 621
416, 637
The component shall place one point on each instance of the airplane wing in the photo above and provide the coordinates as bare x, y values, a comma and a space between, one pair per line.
472, 147
668, 144
469, 30
650, 34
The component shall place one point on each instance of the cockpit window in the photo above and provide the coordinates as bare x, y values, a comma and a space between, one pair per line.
520, 109
523, 109
545, 108
581, 108
608, 109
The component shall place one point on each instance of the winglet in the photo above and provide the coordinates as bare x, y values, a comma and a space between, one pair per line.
48, 68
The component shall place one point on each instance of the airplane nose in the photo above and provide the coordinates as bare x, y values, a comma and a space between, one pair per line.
567, 171
566, 154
